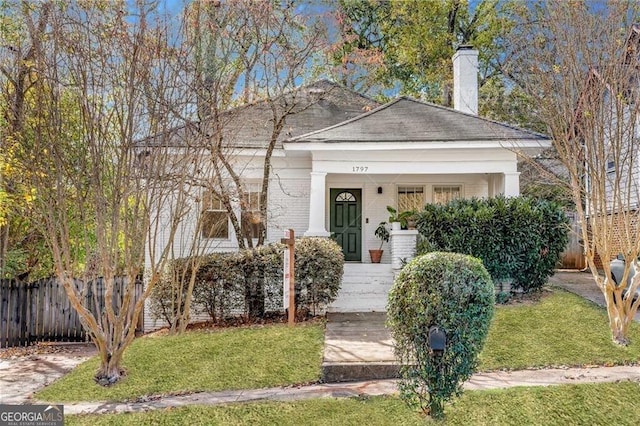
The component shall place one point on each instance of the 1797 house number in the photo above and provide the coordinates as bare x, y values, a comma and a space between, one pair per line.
360, 169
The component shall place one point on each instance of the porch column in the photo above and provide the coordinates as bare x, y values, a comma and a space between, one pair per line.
511, 184
317, 206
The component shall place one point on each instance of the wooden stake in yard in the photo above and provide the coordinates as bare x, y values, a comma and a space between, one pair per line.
289, 292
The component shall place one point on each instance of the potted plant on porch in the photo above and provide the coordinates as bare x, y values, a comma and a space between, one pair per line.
394, 219
401, 220
382, 233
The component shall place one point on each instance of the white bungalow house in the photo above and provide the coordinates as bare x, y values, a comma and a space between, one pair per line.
338, 177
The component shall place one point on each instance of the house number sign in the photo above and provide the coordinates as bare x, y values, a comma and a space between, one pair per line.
360, 169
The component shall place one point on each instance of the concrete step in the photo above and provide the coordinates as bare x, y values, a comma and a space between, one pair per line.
355, 372
365, 288
368, 269
358, 347
359, 302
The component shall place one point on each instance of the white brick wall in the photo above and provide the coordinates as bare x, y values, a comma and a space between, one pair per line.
403, 246
289, 207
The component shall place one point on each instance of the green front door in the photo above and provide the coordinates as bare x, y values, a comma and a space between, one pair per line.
346, 221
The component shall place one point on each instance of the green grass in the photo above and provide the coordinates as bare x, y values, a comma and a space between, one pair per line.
561, 329
241, 358
590, 404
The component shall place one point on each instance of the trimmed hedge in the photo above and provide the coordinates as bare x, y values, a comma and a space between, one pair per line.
234, 283
455, 293
519, 238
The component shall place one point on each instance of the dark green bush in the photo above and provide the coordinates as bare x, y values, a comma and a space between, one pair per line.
451, 291
250, 281
519, 239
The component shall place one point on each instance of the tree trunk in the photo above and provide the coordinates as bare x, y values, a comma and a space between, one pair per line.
254, 295
110, 370
619, 336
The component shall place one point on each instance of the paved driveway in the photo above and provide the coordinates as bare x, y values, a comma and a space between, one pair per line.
582, 284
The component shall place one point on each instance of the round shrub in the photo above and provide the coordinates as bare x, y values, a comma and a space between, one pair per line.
455, 293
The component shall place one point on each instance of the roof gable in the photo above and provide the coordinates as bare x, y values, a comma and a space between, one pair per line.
409, 120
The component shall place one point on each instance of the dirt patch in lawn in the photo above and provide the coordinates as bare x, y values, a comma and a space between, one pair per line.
528, 299
242, 322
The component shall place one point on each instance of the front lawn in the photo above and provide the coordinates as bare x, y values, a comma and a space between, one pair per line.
590, 404
242, 358
561, 329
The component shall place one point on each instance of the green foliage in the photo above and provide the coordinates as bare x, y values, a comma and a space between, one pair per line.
550, 191
219, 290
319, 269
401, 217
509, 104
382, 233
502, 297
229, 283
454, 292
518, 238
409, 43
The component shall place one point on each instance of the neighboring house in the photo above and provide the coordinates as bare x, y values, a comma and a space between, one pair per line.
346, 158
544, 176
607, 118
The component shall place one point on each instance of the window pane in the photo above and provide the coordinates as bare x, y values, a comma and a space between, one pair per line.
253, 213
345, 196
444, 194
410, 198
215, 224
254, 201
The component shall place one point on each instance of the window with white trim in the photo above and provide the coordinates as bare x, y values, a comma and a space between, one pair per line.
442, 194
410, 198
215, 218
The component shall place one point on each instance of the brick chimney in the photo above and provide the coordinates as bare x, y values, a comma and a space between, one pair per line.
465, 80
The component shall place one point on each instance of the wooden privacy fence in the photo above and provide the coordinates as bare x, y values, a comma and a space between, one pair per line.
41, 310
573, 255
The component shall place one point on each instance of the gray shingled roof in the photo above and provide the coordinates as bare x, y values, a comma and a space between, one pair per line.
318, 105
409, 120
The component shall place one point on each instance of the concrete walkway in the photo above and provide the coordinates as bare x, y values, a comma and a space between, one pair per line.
357, 346
495, 380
